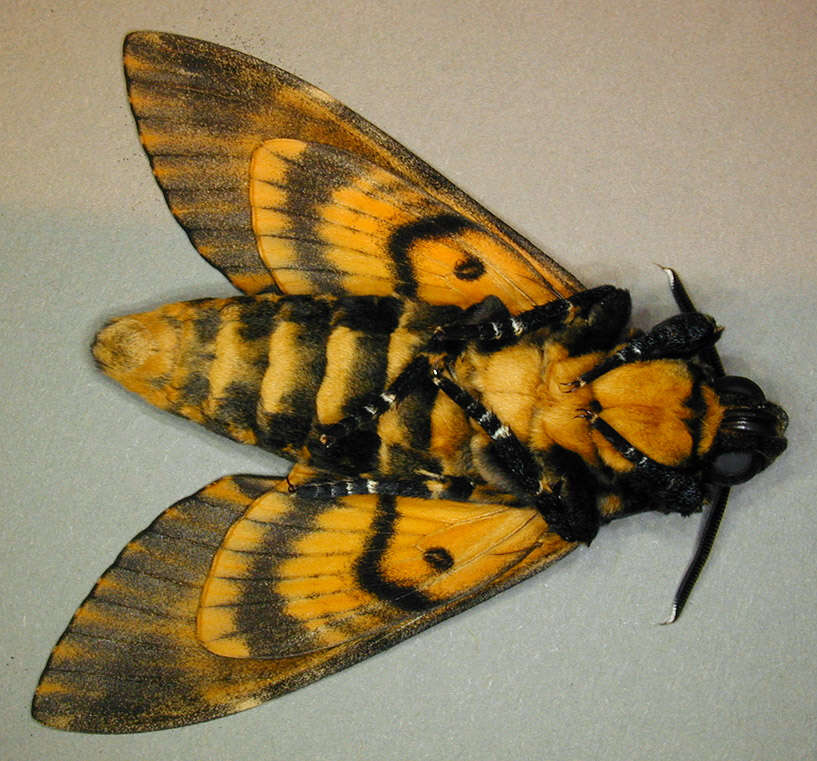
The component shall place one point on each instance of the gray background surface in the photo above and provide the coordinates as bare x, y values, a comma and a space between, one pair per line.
615, 135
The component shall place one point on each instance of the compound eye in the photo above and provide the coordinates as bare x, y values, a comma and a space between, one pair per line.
737, 384
731, 468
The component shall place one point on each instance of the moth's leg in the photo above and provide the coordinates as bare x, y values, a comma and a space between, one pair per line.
568, 505
666, 486
681, 336
571, 505
599, 321
515, 458
414, 373
491, 326
441, 487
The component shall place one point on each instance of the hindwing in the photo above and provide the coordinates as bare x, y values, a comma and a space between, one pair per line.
294, 576
203, 111
328, 221
131, 659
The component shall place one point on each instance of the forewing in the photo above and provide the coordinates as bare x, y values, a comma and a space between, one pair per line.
130, 659
202, 110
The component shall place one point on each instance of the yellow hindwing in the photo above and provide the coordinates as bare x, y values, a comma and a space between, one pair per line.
294, 576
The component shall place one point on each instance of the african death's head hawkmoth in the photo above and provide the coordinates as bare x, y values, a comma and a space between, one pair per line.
460, 411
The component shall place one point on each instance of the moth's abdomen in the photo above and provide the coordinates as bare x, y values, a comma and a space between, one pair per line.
260, 369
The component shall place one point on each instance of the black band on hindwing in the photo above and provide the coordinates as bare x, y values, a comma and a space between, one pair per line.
270, 626
369, 570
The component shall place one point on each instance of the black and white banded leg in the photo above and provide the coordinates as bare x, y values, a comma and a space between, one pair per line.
439, 487
683, 335
514, 456
503, 328
413, 374
669, 484
571, 515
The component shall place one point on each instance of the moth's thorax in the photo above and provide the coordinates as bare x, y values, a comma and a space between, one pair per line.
661, 407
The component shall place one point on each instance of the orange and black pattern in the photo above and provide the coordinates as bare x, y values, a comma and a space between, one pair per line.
271, 370
459, 411
203, 111
275, 371
132, 658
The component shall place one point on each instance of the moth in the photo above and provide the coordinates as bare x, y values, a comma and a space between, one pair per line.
459, 410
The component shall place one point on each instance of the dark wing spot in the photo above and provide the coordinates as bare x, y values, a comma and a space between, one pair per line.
438, 558
469, 268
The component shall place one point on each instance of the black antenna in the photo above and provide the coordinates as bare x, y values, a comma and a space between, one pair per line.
707, 538
712, 522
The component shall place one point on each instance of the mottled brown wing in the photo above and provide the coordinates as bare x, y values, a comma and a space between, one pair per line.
130, 660
202, 110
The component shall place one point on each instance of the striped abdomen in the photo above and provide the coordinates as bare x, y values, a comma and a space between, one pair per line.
266, 369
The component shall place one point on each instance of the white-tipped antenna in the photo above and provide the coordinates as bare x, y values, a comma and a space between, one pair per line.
707, 538
709, 529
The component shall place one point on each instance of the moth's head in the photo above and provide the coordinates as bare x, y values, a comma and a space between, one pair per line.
748, 439
750, 434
